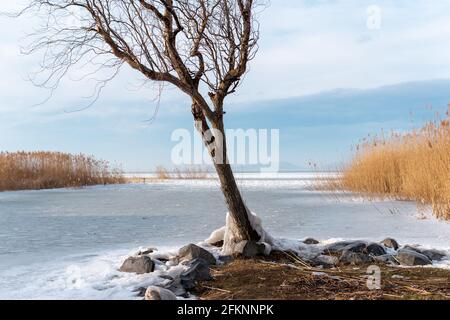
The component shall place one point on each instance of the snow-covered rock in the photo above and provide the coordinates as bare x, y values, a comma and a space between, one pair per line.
192, 252
139, 265
390, 243
158, 293
198, 271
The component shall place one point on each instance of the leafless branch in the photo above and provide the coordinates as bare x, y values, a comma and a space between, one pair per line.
191, 44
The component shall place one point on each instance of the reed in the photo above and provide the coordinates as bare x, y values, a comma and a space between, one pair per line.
48, 170
413, 166
188, 173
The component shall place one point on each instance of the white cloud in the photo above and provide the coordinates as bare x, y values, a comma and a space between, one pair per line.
306, 46
307, 49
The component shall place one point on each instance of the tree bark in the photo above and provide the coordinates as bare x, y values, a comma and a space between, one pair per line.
236, 206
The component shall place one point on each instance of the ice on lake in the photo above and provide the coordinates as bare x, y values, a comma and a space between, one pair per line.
68, 243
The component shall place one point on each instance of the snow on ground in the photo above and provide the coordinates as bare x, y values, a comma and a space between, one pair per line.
94, 277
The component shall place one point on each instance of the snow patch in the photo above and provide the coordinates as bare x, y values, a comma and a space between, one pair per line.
216, 236
233, 242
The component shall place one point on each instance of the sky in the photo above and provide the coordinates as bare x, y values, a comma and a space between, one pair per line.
327, 74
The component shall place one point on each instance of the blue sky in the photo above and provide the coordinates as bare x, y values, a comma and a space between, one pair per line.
321, 76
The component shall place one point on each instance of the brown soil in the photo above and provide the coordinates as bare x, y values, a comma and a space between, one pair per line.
266, 279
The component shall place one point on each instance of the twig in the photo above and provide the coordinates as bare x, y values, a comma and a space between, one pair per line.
217, 289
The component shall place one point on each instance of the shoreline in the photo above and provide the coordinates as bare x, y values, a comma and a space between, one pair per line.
84, 279
348, 270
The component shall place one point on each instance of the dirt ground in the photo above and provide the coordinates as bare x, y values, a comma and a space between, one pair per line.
282, 279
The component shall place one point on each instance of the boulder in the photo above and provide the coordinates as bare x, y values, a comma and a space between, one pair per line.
250, 249
386, 258
337, 247
356, 247
434, 255
375, 249
144, 252
198, 270
225, 259
192, 252
408, 257
354, 258
157, 293
139, 265
390, 243
310, 241
161, 256
324, 261
178, 289
411, 248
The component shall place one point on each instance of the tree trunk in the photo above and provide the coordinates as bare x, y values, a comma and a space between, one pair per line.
236, 206
240, 227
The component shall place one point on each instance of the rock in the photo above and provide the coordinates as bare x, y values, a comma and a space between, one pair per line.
251, 249
157, 293
354, 258
325, 261
198, 271
375, 249
310, 241
386, 258
192, 252
338, 246
177, 289
390, 243
356, 247
139, 265
411, 248
144, 252
225, 259
161, 256
408, 257
434, 255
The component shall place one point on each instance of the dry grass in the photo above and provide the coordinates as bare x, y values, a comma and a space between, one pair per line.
415, 166
48, 170
190, 173
281, 280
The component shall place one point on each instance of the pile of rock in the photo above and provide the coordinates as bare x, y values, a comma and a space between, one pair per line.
194, 262
362, 252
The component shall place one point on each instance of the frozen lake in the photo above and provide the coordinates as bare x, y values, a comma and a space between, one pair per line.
49, 238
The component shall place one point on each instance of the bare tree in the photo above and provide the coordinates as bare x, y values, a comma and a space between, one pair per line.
202, 47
